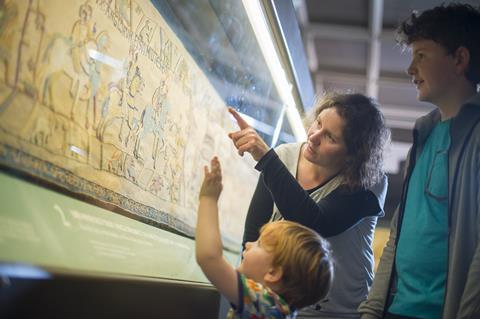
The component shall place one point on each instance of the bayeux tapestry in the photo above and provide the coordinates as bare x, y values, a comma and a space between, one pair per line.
101, 98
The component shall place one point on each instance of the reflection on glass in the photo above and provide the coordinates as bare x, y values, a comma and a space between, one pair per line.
220, 37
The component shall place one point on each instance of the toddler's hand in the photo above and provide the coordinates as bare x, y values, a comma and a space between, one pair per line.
212, 182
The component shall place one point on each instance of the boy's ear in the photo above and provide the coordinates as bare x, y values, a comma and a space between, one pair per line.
274, 275
462, 59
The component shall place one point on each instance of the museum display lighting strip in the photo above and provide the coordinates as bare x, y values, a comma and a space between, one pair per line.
284, 87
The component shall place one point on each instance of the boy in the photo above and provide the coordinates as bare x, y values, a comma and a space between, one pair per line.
430, 267
286, 269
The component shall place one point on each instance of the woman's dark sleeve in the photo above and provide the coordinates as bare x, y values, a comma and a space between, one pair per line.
259, 211
332, 215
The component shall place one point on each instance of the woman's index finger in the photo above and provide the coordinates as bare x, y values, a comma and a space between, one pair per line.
241, 122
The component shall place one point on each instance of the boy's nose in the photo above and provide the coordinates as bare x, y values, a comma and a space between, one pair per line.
411, 69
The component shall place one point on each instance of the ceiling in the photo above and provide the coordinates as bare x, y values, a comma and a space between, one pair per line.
350, 45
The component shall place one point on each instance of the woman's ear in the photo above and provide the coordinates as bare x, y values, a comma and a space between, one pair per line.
274, 275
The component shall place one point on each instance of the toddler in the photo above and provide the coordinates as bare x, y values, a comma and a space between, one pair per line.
287, 268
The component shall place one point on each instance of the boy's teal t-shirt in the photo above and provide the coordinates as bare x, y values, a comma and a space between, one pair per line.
422, 250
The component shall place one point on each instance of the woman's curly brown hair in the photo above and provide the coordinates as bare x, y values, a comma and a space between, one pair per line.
364, 133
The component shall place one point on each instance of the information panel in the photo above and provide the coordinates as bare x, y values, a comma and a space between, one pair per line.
54, 231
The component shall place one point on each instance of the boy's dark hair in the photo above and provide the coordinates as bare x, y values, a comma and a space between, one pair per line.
452, 26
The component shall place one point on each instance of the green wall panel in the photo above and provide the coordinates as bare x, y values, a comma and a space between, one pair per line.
42, 227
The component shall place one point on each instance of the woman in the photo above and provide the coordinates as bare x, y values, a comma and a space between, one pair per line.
333, 183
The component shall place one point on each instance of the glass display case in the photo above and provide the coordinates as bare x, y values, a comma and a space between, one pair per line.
110, 108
